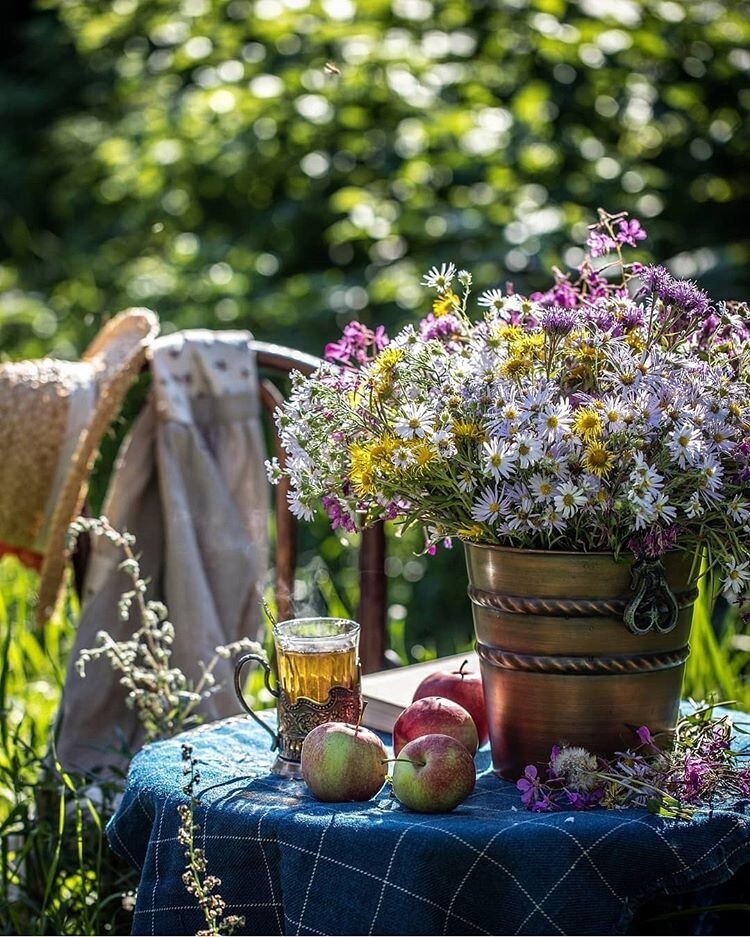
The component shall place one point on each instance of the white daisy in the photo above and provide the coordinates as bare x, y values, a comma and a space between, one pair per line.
685, 445
299, 506
710, 477
613, 417
737, 577
524, 305
528, 450
489, 506
643, 515
415, 422
465, 481
542, 487
273, 470
555, 420
492, 299
694, 508
499, 458
663, 509
569, 498
739, 510
554, 519
440, 278
402, 457
721, 435
645, 479
442, 440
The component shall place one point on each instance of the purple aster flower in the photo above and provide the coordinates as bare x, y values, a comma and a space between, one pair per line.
599, 243
632, 318
630, 232
710, 325
718, 742
602, 317
684, 294
656, 279
558, 321
687, 296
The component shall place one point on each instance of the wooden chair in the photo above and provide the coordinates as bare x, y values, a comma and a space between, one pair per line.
276, 361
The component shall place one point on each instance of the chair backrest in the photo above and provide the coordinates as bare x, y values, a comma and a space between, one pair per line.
279, 361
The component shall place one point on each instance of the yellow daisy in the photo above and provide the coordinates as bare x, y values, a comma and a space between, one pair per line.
587, 424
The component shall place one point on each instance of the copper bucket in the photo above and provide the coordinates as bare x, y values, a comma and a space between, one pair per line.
576, 648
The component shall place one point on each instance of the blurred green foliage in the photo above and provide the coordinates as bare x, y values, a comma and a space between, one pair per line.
198, 156
286, 165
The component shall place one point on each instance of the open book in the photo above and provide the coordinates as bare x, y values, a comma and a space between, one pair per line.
388, 692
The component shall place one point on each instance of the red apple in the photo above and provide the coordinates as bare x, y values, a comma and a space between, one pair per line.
343, 762
434, 715
433, 774
463, 687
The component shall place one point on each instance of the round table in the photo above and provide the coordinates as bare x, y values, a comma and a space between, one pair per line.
290, 864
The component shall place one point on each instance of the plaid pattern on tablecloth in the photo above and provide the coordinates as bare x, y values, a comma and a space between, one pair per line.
293, 865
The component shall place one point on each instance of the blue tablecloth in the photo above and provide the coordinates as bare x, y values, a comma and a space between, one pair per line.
293, 865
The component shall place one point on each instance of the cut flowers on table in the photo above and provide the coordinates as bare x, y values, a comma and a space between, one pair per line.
698, 769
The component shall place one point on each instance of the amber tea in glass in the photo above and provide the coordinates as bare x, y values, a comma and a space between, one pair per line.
317, 662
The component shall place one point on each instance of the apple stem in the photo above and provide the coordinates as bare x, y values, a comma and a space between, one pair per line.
406, 761
461, 668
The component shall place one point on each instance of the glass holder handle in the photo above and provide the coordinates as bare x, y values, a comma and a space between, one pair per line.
238, 667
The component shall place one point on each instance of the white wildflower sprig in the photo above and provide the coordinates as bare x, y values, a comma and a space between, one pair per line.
195, 878
163, 698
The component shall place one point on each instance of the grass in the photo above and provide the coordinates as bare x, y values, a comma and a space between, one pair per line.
58, 875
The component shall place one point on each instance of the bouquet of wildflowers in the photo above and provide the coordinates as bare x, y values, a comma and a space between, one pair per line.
611, 412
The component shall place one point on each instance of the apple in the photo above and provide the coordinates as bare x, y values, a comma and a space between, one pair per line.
433, 774
434, 715
463, 687
343, 762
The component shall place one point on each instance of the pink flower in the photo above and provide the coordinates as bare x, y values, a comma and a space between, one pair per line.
528, 785
630, 232
644, 734
599, 243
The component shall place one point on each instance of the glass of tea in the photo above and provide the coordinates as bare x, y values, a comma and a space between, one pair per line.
317, 681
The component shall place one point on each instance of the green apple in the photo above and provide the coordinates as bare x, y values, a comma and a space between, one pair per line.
343, 762
433, 774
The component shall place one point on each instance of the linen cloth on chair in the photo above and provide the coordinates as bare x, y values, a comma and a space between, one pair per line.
190, 485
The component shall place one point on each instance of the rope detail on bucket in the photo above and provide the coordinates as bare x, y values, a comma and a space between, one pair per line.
570, 608
582, 666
